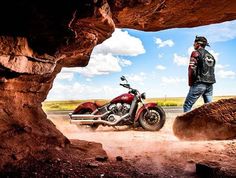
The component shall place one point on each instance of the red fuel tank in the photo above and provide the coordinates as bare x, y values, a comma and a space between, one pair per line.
124, 98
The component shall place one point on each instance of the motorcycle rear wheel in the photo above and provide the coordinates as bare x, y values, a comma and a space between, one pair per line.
153, 120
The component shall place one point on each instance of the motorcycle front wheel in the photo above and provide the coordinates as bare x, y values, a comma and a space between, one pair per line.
153, 119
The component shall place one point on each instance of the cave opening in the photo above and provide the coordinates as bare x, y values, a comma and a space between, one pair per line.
38, 39
166, 62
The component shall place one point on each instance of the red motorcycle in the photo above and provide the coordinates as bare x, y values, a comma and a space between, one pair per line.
122, 110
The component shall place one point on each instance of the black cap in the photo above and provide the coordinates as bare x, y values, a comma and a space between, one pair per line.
201, 40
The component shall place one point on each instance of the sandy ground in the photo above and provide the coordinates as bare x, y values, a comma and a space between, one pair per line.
153, 152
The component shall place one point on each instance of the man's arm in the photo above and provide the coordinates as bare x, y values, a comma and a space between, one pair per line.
192, 68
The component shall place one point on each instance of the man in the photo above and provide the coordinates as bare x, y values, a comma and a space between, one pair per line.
201, 76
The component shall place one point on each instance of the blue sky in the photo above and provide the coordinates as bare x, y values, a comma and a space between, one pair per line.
153, 62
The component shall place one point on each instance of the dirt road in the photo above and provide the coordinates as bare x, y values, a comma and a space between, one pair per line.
153, 152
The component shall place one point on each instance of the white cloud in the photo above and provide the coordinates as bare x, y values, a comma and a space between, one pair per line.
181, 60
172, 80
121, 43
65, 76
125, 62
217, 32
226, 74
137, 77
100, 64
88, 79
223, 72
161, 43
220, 66
160, 67
69, 69
104, 58
81, 91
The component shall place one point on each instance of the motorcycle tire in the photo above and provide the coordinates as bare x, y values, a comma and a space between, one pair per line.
153, 122
92, 127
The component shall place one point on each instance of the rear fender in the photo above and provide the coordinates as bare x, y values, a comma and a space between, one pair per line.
147, 105
90, 106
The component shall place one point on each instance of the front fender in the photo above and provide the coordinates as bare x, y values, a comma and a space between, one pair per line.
147, 105
85, 106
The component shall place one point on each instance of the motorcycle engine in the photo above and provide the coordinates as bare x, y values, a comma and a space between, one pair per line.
119, 109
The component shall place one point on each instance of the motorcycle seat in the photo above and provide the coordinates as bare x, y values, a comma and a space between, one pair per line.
100, 103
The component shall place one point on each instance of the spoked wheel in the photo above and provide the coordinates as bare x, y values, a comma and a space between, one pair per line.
153, 120
92, 126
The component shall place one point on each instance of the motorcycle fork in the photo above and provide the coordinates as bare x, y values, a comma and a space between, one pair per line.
145, 107
133, 108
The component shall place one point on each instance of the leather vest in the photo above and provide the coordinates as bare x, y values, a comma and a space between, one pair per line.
205, 67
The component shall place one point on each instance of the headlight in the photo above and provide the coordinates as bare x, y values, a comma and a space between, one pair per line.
143, 96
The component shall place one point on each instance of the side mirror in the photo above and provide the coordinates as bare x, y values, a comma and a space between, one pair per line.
123, 78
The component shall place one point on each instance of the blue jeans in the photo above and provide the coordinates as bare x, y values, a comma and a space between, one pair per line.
195, 91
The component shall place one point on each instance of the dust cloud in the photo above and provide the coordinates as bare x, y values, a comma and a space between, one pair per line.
150, 152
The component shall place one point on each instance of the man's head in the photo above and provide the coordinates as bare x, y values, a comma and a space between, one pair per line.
200, 41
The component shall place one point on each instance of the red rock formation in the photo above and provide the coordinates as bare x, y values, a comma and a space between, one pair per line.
157, 15
211, 121
38, 38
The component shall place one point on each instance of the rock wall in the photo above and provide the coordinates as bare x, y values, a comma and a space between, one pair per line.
38, 38
36, 41
155, 15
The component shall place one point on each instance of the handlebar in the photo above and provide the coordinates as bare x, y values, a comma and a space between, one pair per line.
134, 91
125, 85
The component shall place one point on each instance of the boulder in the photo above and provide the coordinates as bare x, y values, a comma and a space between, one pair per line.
212, 121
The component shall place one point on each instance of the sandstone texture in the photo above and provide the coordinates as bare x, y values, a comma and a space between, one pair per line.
38, 38
213, 121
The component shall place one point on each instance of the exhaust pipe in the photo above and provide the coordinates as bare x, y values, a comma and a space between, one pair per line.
90, 122
86, 116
